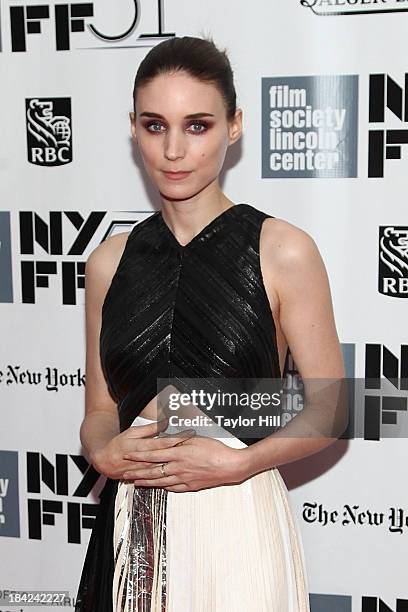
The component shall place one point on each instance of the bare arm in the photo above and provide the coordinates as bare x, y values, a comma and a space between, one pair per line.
101, 422
307, 321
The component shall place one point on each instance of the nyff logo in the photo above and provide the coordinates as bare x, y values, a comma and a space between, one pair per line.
49, 131
74, 17
52, 251
386, 143
385, 402
59, 483
58, 494
323, 602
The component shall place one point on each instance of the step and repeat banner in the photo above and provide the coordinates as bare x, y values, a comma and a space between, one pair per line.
323, 85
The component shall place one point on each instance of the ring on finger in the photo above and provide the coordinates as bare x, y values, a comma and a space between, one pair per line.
163, 470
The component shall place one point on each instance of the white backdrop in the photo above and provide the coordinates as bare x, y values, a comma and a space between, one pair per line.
83, 84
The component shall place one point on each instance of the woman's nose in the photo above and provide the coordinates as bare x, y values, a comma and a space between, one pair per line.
174, 145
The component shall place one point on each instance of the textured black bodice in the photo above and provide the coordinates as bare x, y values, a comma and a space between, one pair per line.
193, 311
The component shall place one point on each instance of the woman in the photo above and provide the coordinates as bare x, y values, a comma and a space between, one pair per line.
203, 288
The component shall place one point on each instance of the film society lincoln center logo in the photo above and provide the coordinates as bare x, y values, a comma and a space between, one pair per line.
309, 126
49, 131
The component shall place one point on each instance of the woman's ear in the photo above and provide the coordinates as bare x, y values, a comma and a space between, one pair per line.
133, 125
235, 127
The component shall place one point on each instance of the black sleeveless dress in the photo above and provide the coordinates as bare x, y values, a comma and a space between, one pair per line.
198, 311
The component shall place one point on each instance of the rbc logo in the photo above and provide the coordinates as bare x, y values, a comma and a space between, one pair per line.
393, 261
49, 133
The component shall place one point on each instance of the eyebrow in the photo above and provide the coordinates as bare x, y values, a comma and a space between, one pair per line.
191, 116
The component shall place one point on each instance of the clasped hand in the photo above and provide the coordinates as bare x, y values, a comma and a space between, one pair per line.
191, 464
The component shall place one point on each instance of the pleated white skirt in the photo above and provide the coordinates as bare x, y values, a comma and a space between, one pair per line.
226, 549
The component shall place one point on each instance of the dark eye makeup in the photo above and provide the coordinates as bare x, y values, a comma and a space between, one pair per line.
203, 124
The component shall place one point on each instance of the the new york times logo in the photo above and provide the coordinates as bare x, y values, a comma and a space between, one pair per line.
332, 8
52, 249
385, 399
385, 143
62, 501
393, 261
73, 18
49, 131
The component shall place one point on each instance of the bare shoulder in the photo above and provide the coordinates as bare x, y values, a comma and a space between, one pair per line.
287, 243
104, 260
300, 284
292, 259
289, 248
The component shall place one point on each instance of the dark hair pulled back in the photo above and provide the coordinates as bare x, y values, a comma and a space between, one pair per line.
199, 57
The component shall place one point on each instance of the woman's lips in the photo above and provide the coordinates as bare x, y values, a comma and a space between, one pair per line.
176, 176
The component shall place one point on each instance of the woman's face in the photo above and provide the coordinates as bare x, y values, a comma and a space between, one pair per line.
170, 139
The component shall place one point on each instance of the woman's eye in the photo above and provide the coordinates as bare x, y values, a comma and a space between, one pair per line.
201, 125
152, 124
